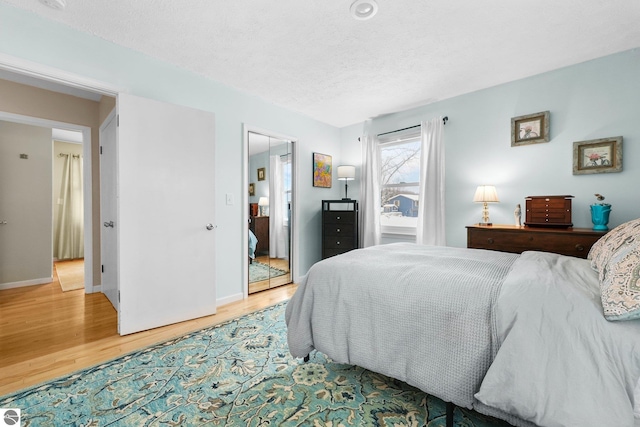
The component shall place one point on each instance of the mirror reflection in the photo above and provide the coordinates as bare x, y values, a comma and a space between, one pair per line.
270, 194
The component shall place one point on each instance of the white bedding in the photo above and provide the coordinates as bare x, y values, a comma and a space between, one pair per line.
560, 362
350, 307
555, 360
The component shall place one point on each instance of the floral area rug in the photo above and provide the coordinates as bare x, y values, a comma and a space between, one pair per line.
238, 373
259, 271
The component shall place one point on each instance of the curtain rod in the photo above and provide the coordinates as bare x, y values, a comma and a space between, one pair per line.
77, 156
444, 122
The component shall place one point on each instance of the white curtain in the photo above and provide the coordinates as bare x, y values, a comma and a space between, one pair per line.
370, 189
430, 230
70, 239
277, 231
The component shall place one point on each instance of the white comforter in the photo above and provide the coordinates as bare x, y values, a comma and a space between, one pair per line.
555, 360
560, 362
421, 314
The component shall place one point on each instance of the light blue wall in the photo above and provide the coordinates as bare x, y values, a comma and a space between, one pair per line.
27, 36
596, 99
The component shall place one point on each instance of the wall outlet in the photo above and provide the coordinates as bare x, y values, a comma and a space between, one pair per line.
229, 199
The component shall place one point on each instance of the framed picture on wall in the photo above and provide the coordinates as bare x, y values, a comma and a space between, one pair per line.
530, 129
261, 174
321, 170
597, 156
252, 189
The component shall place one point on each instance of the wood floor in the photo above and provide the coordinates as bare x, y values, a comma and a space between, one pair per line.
46, 333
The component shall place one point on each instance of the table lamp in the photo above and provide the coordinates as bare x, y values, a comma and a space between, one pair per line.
263, 202
346, 174
485, 194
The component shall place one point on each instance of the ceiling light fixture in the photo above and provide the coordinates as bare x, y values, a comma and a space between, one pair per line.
55, 4
364, 9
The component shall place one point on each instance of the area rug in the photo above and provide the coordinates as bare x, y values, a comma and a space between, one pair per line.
70, 274
259, 271
239, 373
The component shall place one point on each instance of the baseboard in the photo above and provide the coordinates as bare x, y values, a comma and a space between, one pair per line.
93, 289
229, 299
23, 283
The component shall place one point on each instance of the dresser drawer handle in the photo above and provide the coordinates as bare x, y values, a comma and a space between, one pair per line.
337, 230
337, 217
579, 247
337, 243
490, 240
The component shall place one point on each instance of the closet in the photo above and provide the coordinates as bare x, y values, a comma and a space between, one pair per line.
270, 201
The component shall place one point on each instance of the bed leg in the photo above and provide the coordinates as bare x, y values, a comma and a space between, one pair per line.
450, 408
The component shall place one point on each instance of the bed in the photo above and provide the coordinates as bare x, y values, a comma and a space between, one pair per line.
536, 339
253, 243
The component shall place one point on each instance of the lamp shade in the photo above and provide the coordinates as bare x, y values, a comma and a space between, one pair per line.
346, 173
263, 201
486, 193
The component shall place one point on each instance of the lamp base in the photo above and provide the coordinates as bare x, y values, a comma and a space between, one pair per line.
346, 198
485, 224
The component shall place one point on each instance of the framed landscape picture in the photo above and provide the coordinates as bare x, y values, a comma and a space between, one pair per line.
597, 156
321, 170
530, 129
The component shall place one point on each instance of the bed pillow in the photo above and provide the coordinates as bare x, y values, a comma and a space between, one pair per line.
611, 243
620, 289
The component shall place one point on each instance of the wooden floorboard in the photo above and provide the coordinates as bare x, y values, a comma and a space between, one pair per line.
46, 333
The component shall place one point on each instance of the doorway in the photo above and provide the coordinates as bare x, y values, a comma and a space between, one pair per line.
68, 209
270, 163
35, 264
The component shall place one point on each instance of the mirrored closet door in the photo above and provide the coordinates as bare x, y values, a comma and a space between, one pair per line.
270, 201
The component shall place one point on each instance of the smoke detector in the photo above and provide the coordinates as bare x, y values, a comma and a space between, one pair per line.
364, 9
55, 4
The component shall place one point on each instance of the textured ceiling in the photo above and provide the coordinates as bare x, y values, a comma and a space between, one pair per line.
314, 58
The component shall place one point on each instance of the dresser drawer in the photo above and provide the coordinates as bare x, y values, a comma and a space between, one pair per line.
339, 217
548, 203
572, 242
345, 242
333, 229
329, 252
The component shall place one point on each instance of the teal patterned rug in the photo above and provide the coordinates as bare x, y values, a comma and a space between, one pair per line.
239, 373
259, 271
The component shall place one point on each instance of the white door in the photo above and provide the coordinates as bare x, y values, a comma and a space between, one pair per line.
165, 213
108, 210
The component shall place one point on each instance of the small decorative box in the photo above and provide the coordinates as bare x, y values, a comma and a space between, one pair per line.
548, 211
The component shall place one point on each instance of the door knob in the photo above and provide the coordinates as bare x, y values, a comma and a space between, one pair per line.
109, 224
210, 227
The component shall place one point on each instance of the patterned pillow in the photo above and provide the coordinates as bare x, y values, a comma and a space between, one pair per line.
624, 235
620, 289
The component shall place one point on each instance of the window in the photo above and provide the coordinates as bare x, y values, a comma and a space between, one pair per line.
400, 184
286, 179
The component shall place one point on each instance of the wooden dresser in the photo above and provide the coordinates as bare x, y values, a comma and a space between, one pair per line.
260, 227
339, 227
510, 238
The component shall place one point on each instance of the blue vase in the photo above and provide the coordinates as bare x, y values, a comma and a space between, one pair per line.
600, 217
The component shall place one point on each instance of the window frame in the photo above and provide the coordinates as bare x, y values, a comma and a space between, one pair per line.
407, 137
